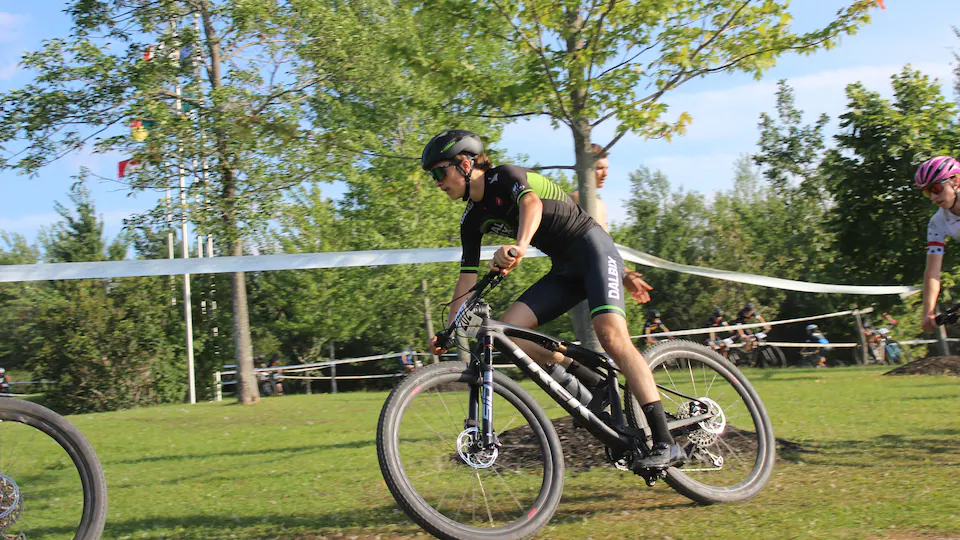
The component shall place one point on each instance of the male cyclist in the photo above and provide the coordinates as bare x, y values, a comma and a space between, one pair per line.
519, 203
744, 316
939, 178
718, 340
653, 326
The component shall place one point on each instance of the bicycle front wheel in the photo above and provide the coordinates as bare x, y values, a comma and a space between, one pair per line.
442, 478
731, 455
51, 481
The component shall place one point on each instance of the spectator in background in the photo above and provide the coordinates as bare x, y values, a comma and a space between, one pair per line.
276, 376
603, 167
4, 382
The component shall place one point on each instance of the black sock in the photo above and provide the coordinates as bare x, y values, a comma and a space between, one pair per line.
586, 375
657, 421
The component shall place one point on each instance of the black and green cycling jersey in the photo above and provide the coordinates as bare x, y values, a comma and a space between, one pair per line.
498, 212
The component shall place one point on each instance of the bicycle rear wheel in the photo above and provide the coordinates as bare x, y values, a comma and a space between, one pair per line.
448, 485
770, 356
51, 481
731, 454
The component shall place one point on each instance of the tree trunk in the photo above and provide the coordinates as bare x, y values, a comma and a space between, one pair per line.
243, 346
586, 165
249, 393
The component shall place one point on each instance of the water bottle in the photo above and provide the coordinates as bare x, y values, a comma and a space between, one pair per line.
570, 383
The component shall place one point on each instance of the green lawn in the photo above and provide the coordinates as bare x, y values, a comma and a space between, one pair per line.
881, 460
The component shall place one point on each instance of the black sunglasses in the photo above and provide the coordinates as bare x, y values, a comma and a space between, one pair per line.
438, 173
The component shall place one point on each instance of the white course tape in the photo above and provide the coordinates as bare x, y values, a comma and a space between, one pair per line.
306, 261
720, 329
646, 259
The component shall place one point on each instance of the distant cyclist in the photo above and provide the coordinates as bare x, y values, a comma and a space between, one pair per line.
939, 178
718, 340
746, 315
816, 350
653, 326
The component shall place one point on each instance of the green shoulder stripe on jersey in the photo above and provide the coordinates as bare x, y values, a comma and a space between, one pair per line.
544, 188
524, 192
607, 307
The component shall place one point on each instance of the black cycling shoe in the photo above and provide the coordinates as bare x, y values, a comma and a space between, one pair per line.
662, 455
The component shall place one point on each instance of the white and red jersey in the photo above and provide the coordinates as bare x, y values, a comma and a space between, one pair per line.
942, 225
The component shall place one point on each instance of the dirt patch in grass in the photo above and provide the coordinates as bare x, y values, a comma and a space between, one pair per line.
582, 451
933, 365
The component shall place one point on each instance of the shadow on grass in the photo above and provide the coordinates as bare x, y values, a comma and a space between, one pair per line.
212, 525
244, 453
880, 451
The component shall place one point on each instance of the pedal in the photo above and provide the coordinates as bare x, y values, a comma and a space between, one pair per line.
650, 476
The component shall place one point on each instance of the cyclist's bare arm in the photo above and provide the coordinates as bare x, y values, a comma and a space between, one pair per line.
931, 290
766, 327
464, 283
531, 213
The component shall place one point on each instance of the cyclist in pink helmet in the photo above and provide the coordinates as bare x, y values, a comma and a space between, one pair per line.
939, 178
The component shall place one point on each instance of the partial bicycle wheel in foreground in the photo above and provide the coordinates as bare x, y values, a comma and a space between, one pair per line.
51, 481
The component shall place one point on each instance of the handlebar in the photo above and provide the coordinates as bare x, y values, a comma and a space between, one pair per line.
491, 280
949, 316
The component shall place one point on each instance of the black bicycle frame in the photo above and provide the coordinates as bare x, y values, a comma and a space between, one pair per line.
494, 334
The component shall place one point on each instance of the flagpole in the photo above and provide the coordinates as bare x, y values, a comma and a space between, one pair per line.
187, 302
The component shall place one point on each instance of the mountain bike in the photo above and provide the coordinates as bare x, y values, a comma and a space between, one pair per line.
892, 352
468, 453
51, 481
761, 355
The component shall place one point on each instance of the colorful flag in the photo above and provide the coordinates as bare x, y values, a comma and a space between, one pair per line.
138, 131
148, 54
880, 3
127, 166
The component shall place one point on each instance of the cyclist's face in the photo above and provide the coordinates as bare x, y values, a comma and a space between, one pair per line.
947, 196
449, 179
603, 166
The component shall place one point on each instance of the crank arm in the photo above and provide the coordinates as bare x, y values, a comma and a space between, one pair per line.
683, 422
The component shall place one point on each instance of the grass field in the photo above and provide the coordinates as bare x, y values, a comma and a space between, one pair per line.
880, 459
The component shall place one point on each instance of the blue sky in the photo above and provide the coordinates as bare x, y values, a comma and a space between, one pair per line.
725, 108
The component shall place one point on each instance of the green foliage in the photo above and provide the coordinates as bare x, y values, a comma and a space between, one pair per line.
107, 343
878, 219
583, 63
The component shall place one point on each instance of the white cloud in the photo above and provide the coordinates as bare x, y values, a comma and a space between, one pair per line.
11, 25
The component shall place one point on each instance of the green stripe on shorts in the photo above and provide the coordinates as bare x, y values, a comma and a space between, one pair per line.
614, 308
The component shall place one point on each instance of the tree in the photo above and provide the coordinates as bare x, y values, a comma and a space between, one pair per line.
223, 87
878, 218
104, 342
582, 64
19, 303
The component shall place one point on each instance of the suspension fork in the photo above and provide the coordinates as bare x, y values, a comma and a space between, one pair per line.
480, 407
486, 391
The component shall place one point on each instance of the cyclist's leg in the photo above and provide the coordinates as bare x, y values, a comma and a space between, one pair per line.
547, 299
603, 279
